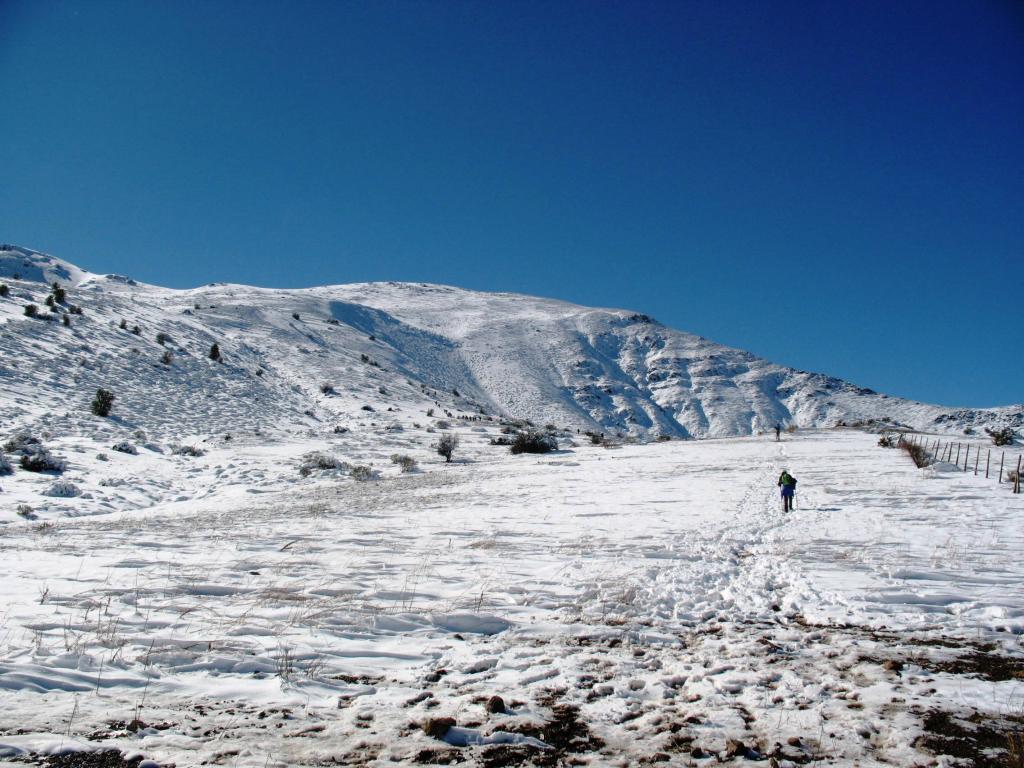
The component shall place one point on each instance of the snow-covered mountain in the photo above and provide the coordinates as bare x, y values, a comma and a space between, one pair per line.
317, 358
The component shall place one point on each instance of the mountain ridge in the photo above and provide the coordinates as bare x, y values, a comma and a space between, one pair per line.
510, 355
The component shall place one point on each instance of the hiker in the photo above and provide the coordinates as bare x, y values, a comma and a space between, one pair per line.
788, 485
778, 431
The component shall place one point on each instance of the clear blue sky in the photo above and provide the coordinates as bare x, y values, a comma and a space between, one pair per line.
835, 186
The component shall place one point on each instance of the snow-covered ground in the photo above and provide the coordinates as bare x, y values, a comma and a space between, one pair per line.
633, 604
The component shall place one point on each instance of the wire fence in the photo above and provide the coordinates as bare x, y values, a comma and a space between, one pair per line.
961, 454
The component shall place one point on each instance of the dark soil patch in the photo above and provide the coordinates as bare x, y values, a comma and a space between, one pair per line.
565, 733
987, 666
105, 758
983, 741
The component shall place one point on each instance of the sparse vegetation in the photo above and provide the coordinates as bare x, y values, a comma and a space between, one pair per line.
362, 473
4, 290
887, 440
6, 468
534, 441
162, 338
58, 293
74, 309
918, 454
167, 358
66, 320
125, 447
1002, 436
295, 315
367, 408
187, 450
63, 489
319, 461
327, 389
215, 353
446, 445
123, 325
102, 402
31, 310
405, 463
38, 459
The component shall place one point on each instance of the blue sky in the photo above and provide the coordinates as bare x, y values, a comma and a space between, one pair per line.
835, 186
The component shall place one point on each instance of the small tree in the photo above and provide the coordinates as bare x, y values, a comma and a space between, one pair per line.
102, 403
31, 310
446, 446
162, 338
215, 352
295, 315
136, 330
66, 319
4, 290
49, 301
124, 324
59, 294
167, 358
534, 441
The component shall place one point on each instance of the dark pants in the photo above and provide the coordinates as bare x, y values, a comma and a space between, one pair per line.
787, 503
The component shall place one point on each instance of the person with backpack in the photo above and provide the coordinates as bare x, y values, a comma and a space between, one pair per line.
788, 485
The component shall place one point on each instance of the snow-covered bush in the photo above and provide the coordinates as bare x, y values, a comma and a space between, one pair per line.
102, 402
31, 310
102, 456
446, 446
918, 454
1003, 436
362, 473
340, 430
38, 459
63, 489
24, 510
534, 441
167, 358
5, 464
187, 450
327, 389
405, 463
319, 461
125, 447
215, 353
887, 440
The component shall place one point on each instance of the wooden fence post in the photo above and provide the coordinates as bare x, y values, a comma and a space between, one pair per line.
988, 459
1003, 456
967, 455
957, 462
1016, 479
977, 456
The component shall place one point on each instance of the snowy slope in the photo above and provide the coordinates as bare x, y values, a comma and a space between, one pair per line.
610, 371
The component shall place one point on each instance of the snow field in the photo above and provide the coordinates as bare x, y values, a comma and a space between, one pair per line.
635, 604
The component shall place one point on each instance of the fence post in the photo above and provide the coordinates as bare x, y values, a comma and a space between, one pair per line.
1003, 456
967, 455
1016, 479
977, 456
988, 459
957, 462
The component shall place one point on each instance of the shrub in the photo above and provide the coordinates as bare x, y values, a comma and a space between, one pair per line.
22, 442
123, 324
1003, 436
66, 319
455, 392
317, 460
5, 464
215, 352
446, 446
4, 290
31, 310
501, 440
918, 454
534, 441
381, 390
887, 440
59, 294
102, 402
74, 309
125, 447
187, 450
327, 389
162, 338
136, 330
367, 408
24, 510
38, 459
363, 473
167, 358
49, 301
430, 412
791, 429
405, 463
340, 430
63, 489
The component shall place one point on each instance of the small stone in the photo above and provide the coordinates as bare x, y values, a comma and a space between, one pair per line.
495, 705
437, 727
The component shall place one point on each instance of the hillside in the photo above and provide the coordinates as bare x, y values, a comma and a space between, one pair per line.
551, 362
